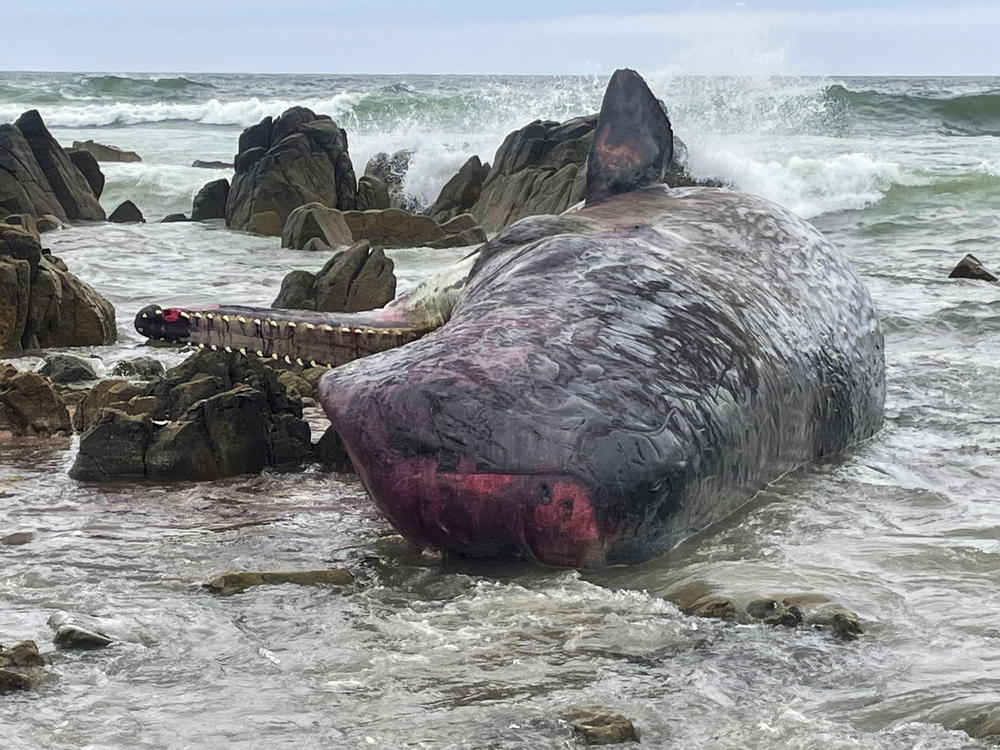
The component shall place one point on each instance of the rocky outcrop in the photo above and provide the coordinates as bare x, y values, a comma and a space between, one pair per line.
127, 213
30, 406
296, 159
101, 152
173, 218
210, 202
90, 169
970, 267
372, 193
24, 188
359, 278
390, 170
393, 227
65, 368
42, 304
67, 182
104, 394
460, 193
314, 220
541, 169
216, 414
199, 164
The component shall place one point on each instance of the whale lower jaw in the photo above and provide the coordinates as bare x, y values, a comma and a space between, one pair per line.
548, 518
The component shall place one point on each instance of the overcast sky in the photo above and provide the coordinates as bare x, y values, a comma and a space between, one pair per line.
879, 37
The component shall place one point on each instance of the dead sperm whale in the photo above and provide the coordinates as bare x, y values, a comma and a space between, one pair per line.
609, 381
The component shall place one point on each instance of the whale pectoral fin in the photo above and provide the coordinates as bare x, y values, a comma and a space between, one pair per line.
633, 140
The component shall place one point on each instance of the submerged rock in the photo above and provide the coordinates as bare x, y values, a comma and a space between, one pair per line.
236, 582
17, 538
359, 278
23, 654
971, 268
597, 725
173, 218
212, 164
140, 368
102, 152
11, 680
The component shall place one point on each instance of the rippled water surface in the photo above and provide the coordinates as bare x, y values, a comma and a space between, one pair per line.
904, 530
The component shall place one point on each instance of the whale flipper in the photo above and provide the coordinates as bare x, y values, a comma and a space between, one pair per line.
633, 142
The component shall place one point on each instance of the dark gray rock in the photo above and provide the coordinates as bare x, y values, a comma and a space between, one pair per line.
11, 680
299, 158
330, 452
102, 152
460, 193
173, 218
391, 171
17, 538
114, 447
971, 268
238, 581
139, 368
211, 164
24, 188
210, 202
68, 183
316, 221
359, 278
65, 368
127, 213
77, 638
89, 168
30, 406
372, 193
104, 394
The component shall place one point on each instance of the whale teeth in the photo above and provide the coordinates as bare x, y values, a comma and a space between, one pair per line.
312, 363
274, 355
358, 331
256, 321
243, 351
228, 349
209, 316
345, 329
199, 316
309, 326
241, 319
326, 327
298, 361
185, 315
272, 323
225, 318
288, 360
145, 316
215, 348
291, 324
259, 353
201, 346
158, 312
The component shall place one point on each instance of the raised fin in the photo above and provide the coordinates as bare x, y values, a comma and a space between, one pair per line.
633, 141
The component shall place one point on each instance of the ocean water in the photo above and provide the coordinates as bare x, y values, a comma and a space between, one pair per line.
902, 173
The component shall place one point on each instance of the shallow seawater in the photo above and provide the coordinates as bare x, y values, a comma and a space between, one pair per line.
904, 529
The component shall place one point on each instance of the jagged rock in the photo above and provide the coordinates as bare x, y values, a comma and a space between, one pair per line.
47, 223
356, 279
127, 213
140, 368
316, 245
105, 393
210, 202
299, 158
211, 164
67, 182
42, 304
314, 220
330, 452
236, 582
65, 368
102, 152
11, 681
393, 227
30, 406
24, 188
173, 218
597, 725
971, 268
391, 170
372, 193
89, 168
75, 637
23, 654
224, 414
461, 192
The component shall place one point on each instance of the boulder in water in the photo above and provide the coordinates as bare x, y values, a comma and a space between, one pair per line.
460, 193
30, 406
173, 218
391, 171
65, 368
359, 278
210, 202
314, 220
127, 213
24, 188
597, 725
372, 193
89, 168
198, 163
971, 268
236, 582
75, 637
102, 152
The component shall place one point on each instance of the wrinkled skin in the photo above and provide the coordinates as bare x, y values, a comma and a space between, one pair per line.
612, 381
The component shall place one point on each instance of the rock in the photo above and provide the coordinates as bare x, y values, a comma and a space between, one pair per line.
30, 406
75, 637
42, 304
24, 188
47, 223
391, 170
295, 385
140, 368
105, 393
267, 223
601, 726
89, 168
211, 164
173, 218
393, 227
102, 152
127, 213
331, 454
210, 202
460, 223
315, 221
372, 193
236, 582
224, 414
68, 184
27, 224
11, 681
23, 654
773, 612
17, 538
316, 245
65, 368
970, 268
356, 279
298, 158
460, 193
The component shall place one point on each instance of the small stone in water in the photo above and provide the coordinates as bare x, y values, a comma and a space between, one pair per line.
601, 726
10, 680
73, 636
23, 654
17, 538
236, 582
